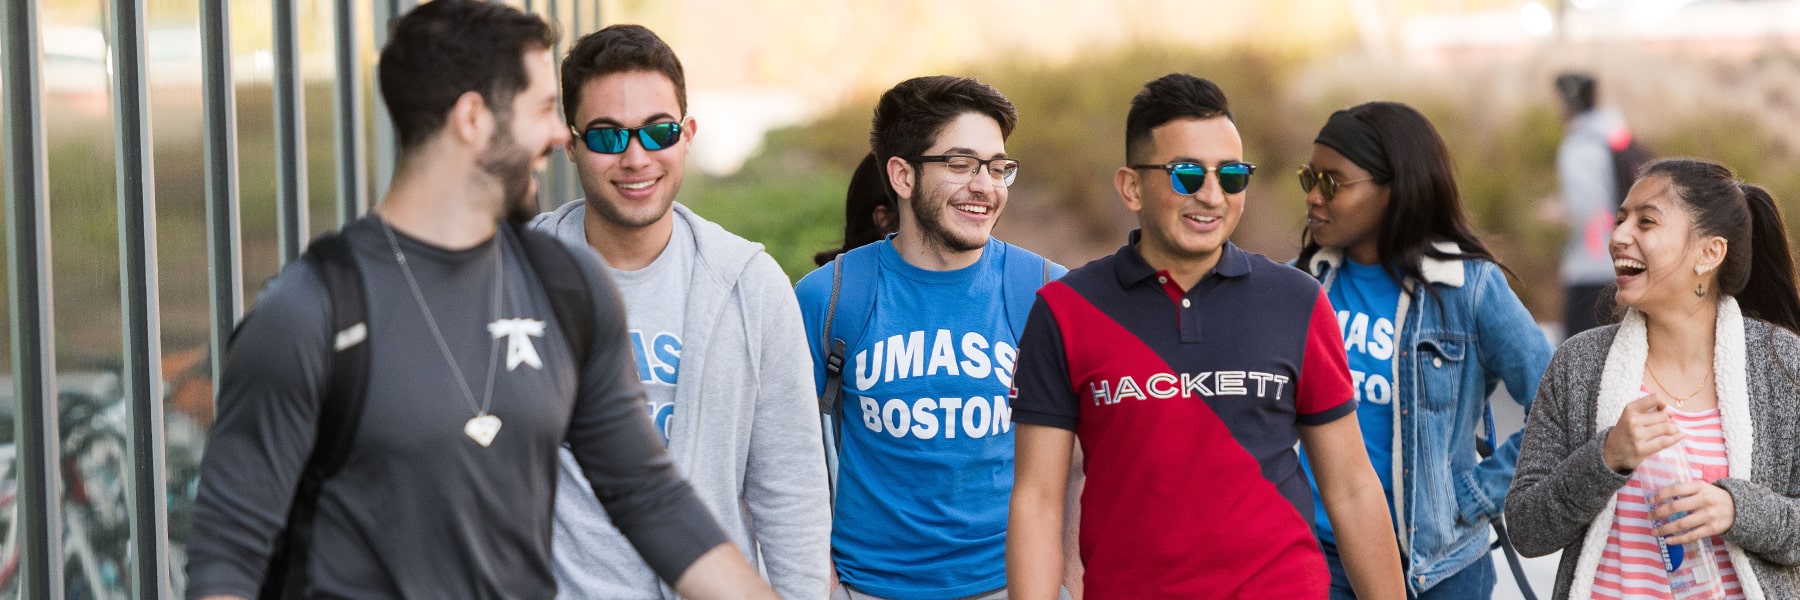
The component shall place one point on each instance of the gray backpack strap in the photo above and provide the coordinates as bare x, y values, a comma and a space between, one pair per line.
834, 381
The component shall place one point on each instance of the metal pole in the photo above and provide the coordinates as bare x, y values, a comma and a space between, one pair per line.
137, 283
560, 177
353, 196
290, 136
224, 256
28, 287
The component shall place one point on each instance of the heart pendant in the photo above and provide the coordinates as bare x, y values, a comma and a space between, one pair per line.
482, 429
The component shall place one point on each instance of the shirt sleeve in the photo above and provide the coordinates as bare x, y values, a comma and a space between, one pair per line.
785, 485
1042, 393
1324, 393
621, 453
275, 372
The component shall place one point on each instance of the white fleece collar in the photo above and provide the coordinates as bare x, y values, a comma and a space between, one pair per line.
1620, 381
1436, 270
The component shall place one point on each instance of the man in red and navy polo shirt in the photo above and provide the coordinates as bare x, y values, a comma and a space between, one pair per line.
1188, 368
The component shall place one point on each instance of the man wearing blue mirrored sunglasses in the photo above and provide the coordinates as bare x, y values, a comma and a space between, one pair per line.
1188, 368
714, 327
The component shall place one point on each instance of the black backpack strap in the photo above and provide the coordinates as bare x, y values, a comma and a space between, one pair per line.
340, 411
561, 277
1485, 448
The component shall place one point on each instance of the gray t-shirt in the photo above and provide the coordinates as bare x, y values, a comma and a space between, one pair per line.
418, 509
655, 306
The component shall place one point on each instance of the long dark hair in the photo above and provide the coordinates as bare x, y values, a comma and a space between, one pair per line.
868, 191
1759, 265
1424, 205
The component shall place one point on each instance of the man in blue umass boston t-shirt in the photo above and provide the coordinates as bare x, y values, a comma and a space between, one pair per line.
925, 430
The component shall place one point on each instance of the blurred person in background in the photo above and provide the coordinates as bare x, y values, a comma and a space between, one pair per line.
925, 326
1188, 369
869, 214
715, 331
1430, 327
443, 493
1590, 192
1705, 362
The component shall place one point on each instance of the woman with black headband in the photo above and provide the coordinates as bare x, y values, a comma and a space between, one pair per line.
1430, 326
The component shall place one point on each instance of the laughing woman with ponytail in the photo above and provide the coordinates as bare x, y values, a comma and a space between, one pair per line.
1706, 361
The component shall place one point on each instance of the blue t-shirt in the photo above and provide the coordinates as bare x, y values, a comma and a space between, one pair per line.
926, 467
1366, 297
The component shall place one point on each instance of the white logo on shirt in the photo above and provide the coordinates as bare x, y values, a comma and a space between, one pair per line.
519, 349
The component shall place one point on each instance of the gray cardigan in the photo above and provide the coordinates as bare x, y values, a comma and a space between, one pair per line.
1562, 495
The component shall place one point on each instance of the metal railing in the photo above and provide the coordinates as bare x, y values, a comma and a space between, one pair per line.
363, 168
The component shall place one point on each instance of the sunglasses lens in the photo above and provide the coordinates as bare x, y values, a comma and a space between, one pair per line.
1308, 179
660, 135
1234, 178
1187, 178
605, 140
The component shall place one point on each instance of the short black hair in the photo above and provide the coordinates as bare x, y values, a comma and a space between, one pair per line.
1167, 98
911, 115
445, 48
618, 49
1577, 91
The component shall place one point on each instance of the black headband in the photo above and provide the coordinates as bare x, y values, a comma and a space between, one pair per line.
1357, 141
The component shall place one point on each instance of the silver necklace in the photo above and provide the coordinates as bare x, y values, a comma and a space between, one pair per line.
483, 426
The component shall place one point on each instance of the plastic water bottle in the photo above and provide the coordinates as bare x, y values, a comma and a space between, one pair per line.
1693, 574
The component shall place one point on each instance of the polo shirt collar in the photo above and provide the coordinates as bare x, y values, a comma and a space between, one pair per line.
1133, 269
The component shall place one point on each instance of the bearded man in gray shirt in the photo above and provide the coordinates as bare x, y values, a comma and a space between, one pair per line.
715, 328
447, 488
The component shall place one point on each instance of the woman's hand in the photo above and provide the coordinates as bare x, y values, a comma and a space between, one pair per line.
1709, 511
1644, 429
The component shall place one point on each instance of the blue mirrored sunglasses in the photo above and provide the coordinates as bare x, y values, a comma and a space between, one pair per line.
614, 140
1187, 178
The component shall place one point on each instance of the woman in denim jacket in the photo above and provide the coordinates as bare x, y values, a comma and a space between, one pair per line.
1430, 327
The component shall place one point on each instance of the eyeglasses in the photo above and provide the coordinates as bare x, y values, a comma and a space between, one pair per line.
614, 140
1328, 186
962, 167
1187, 177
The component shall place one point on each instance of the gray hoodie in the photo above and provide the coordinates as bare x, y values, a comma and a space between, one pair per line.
1584, 166
747, 434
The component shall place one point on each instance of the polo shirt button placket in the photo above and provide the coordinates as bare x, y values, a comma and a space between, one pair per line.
1185, 303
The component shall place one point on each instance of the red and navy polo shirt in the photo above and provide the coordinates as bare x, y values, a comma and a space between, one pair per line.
1186, 403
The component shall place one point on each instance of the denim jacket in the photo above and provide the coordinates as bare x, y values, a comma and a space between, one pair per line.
1454, 348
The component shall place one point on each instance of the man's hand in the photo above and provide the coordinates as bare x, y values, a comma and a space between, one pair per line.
723, 573
1357, 507
1034, 533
